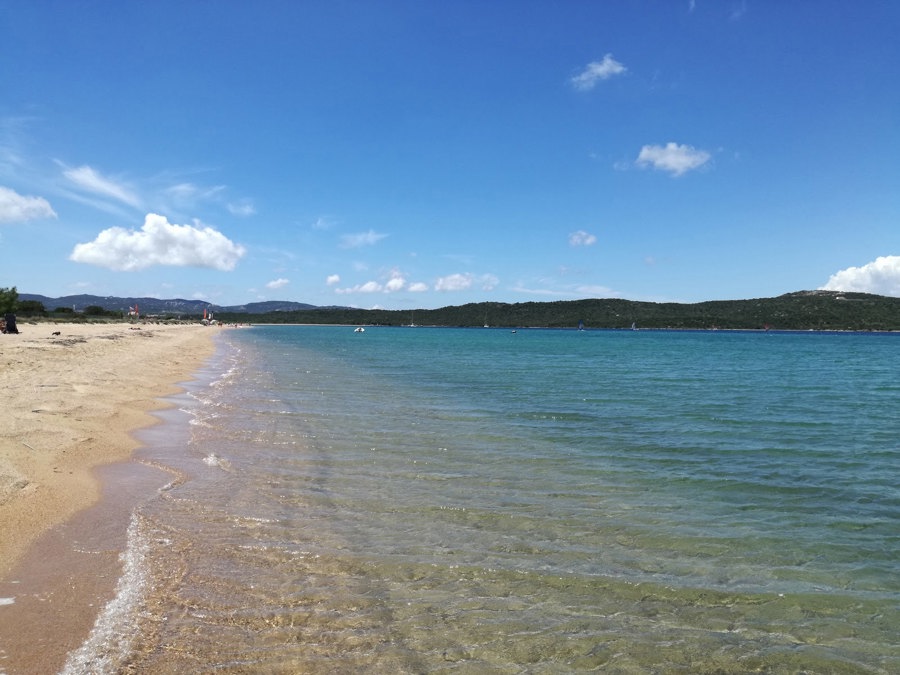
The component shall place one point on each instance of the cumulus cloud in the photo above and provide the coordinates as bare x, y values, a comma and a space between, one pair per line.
881, 276
596, 71
454, 282
674, 158
395, 282
159, 242
90, 180
16, 208
277, 283
461, 282
361, 239
582, 238
333, 279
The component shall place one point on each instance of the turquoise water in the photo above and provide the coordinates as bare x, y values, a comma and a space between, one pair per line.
486, 501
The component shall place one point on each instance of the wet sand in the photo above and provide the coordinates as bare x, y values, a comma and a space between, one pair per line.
70, 404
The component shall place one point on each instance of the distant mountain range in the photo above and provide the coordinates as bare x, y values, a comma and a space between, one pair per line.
157, 306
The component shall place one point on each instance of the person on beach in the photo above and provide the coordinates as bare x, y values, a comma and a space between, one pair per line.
9, 324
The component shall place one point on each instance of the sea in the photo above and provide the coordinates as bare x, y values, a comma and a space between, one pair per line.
440, 500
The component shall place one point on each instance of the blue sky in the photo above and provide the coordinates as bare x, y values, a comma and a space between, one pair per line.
418, 154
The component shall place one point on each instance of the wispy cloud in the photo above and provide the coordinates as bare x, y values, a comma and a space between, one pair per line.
242, 208
333, 279
278, 283
738, 10
583, 291
323, 223
190, 192
596, 71
462, 282
881, 276
159, 242
361, 239
16, 208
90, 180
582, 238
673, 158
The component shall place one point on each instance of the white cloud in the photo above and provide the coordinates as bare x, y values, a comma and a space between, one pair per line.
595, 291
242, 208
370, 287
461, 282
188, 192
333, 279
88, 179
278, 283
738, 10
488, 282
674, 158
395, 283
582, 238
596, 71
361, 239
881, 276
454, 282
159, 242
16, 208
323, 223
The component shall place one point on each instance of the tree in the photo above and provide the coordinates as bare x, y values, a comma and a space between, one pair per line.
31, 307
94, 310
9, 300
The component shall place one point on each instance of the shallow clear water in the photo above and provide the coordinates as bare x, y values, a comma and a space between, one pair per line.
482, 501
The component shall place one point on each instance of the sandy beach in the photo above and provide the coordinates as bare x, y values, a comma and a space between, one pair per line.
72, 393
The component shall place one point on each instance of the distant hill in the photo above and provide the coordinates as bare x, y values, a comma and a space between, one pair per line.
803, 310
146, 306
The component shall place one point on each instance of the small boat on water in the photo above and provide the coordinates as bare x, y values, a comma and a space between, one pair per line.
359, 329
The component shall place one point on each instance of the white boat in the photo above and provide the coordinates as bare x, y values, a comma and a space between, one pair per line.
359, 329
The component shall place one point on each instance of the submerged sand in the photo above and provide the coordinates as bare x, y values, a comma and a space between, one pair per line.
72, 394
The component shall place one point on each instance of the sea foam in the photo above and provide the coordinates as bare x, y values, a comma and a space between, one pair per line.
108, 644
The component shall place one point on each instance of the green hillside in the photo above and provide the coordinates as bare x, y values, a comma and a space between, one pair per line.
804, 310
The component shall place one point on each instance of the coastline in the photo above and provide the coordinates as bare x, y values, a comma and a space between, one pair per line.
72, 402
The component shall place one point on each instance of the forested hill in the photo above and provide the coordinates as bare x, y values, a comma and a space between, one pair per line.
804, 310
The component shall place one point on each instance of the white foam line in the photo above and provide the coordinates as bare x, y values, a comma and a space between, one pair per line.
7, 601
114, 631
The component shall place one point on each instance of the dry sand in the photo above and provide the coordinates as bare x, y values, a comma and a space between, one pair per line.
69, 403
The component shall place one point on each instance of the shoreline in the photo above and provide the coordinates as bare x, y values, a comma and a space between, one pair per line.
73, 402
